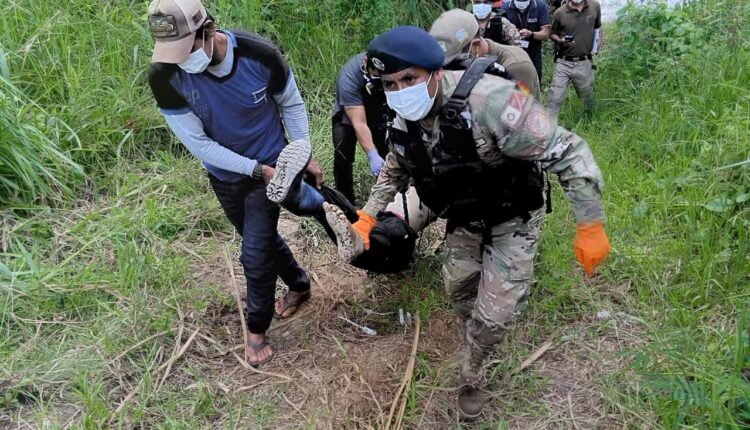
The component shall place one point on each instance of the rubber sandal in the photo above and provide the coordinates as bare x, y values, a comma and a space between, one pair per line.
302, 298
257, 347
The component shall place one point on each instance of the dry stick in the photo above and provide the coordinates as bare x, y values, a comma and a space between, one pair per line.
534, 357
168, 365
406, 380
237, 297
124, 353
258, 371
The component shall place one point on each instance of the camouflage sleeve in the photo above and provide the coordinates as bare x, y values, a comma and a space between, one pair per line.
525, 130
510, 33
392, 179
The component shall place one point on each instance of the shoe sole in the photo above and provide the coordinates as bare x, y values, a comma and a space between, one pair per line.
341, 228
292, 162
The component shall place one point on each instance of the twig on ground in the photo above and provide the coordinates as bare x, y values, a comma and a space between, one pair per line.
124, 353
260, 372
250, 387
295, 407
237, 297
168, 365
534, 357
406, 380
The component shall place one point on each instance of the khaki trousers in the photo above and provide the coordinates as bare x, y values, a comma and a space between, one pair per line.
580, 74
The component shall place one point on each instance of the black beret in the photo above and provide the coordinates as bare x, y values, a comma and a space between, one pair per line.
403, 47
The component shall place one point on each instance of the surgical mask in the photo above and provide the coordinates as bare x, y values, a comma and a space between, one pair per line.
482, 10
412, 103
522, 5
198, 61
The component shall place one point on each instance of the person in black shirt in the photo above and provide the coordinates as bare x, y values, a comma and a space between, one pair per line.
360, 113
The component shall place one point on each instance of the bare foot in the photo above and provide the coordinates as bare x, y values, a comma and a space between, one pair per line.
258, 351
350, 245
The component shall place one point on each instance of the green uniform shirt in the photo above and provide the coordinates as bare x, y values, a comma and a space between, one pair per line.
508, 123
518, 64
581, 25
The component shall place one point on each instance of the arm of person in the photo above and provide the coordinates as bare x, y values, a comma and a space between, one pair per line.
527, 131
522, 71
545, 23
543, 34
358, 117
598, 30
392, 178
189, 130
293, 111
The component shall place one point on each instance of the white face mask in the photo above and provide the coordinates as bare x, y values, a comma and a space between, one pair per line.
198, 61
413, 103
482, 10
522, 5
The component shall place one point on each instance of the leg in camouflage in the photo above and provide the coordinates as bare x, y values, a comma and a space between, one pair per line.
462, 269
507, 268
507, 262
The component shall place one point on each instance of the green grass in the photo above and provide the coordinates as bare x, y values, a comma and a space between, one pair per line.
95, 261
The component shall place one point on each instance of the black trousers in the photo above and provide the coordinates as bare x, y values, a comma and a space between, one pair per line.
344, 148
265, 255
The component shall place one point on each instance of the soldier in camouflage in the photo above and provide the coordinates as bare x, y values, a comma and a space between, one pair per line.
482, 172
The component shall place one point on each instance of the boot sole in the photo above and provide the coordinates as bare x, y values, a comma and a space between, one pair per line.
342, 229
292, 162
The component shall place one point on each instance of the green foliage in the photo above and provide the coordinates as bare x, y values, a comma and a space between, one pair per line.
32, 165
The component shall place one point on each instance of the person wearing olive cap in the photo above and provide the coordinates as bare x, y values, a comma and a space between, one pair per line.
475, 147
224, 94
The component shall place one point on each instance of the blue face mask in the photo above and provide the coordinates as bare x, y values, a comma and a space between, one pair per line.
412, 103
482, 10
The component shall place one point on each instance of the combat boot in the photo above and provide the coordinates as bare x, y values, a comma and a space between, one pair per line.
471, 397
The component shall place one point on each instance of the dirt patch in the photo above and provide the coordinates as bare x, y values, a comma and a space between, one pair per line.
343, 378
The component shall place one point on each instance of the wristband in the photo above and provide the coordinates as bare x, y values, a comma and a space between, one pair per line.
257, 172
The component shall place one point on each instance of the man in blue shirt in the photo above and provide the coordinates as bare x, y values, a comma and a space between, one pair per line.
533, 22
229, 97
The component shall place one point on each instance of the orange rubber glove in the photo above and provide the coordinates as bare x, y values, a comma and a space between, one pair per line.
591, 245
364, 226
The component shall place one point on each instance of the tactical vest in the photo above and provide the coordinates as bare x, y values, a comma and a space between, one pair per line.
453, 181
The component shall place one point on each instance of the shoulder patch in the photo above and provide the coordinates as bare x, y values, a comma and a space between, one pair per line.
513, 111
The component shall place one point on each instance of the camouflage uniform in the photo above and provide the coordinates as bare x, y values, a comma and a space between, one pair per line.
487, 271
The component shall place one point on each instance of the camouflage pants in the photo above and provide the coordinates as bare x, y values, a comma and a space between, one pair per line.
580, 74
488, 276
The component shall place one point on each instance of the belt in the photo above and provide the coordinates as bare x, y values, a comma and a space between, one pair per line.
569, 58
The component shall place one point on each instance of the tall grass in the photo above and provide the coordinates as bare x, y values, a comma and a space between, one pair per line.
84, 62
673, 136
32, 165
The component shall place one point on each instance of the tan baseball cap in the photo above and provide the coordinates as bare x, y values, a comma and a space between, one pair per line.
172, 24
454, 30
